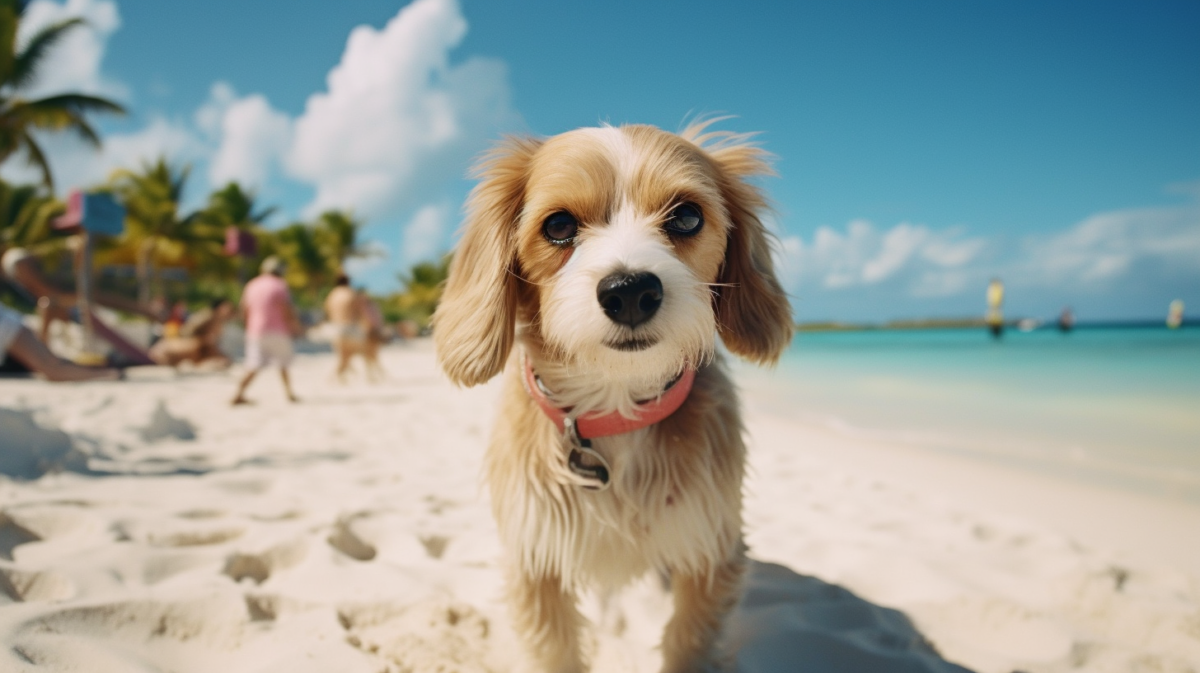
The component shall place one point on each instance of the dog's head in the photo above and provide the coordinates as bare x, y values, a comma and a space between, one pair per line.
625, 250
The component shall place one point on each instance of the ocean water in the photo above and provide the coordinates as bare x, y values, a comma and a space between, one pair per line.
1118, 406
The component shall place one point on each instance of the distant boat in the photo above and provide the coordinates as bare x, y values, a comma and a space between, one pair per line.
1028, 324
1066, 320
1175, 314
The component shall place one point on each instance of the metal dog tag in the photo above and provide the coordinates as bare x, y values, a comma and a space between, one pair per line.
588, 468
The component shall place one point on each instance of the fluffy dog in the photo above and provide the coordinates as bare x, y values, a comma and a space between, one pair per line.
597, 268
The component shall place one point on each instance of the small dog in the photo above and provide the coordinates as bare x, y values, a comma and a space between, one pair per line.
598, 267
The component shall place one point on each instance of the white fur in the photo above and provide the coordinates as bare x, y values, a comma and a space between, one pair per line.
610, 538
576, 326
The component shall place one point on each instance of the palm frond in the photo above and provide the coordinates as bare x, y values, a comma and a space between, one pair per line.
10, 18
37, 158
25, 64
78, 103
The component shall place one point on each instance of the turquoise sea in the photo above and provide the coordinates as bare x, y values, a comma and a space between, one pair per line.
1114, 405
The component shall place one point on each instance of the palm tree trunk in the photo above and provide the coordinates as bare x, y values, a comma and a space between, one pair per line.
144, 269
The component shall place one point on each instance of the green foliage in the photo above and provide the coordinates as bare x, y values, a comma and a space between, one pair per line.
156, 233
422, 288
19, 117
27, 213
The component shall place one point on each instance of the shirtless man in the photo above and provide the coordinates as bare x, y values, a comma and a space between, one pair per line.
344, 309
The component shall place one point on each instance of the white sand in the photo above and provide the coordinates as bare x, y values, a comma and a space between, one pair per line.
349, 533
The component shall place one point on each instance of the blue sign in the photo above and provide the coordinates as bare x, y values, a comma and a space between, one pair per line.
102, 215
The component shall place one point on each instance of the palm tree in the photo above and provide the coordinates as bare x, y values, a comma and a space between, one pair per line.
154, 228
337, 234
26, 214
422, 289
233, 206
308, 265
20, 118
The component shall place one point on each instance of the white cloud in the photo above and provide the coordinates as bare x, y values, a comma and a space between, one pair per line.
422, 237
252, 136
74, 63
895, 249
1135, 253
1107, 246
398, 120
930, 261
78, 165
375, 255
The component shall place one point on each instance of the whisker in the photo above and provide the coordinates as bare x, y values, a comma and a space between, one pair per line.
518, 276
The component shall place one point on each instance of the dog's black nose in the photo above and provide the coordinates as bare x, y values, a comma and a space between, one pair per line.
630, 298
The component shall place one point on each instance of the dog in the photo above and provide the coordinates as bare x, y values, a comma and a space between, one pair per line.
597, 269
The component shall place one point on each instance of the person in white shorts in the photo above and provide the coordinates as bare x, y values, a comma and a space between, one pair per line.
270, 323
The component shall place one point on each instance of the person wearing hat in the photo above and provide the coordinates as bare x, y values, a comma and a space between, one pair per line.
270, 323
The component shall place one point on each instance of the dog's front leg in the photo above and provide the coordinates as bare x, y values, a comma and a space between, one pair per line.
702, 601
547, 619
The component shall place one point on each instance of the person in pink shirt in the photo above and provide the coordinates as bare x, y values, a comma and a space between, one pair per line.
270, 324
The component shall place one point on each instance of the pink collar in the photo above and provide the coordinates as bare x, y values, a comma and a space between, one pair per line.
593, 425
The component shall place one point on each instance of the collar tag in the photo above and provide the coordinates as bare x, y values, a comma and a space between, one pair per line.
587, 467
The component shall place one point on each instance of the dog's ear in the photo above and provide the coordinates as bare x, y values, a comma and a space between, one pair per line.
753, 315
473, 327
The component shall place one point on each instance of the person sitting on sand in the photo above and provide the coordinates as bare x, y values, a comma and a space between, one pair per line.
19, 341
55, 303
344, 310
199, 339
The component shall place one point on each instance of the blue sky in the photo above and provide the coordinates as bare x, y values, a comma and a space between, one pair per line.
923, 147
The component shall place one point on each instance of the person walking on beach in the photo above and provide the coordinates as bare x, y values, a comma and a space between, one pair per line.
270, 323
344, 311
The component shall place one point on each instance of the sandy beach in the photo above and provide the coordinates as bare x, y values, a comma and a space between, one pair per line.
147, 526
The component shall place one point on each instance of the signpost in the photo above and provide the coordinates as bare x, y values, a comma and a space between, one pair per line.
90, 215
243, 244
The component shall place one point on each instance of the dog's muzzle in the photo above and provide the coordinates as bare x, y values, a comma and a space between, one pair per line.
630, 299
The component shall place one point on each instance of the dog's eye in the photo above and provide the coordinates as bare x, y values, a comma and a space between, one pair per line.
685, 219
560, 228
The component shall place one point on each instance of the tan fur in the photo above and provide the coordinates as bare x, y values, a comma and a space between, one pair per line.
474, 321
674, 501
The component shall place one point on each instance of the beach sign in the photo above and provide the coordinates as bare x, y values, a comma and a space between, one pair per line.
239, 242
96, 213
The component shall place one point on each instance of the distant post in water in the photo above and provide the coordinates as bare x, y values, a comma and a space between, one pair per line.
1175, 314
995, 311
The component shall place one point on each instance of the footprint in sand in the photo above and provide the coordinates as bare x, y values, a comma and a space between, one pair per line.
435, 635
101, 636
259, 566
350, 543
268, 607
177, 532
13, 535
435, 545
32, 585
